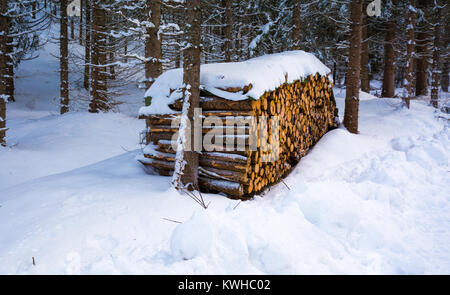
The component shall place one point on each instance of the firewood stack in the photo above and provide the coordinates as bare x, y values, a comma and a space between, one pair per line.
306, 110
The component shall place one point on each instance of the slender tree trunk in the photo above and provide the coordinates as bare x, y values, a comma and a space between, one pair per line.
353, 68
389, 60
64, 68
409, 71
9, 70
436, 56
10, 86
111, 49
99, 77
3, 85
72, 28
296, 33
112, 58
153, 51
186, 166
422, 62
446, 57
227, 23
365, 81
82, 9
125, 50
237, 43
33, 9
87, 49
334, 71
153, 67
445, 78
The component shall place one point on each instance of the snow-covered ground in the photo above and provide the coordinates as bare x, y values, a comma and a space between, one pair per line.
73, 197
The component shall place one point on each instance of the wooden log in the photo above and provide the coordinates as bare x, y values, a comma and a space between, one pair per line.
156, 136
221, 129
167, 157
204, 162
225, 157
221, 174
215, 103
158, 164
228, 113
233, 189
159, 116
165, 146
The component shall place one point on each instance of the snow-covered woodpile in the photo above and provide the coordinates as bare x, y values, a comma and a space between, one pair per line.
275, 124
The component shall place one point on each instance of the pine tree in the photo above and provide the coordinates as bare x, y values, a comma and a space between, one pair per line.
153, 55
227, 26
98, 59
423, 44
353, 68
445, 48
409, 71
87, 44
296, 29
365, 81
436, 55
24, 19
3, 89
388, 88
186, 165
64, 52
81, 29
19, 23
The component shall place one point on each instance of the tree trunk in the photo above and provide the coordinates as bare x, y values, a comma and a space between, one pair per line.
63, 59
446, 58
34, 9
153, 51
87, 49
153, 67
186, 166
3, 90
334, 72
125, 50
111, 47
82, 9
410, 45
227, 23
389, 60
422, 63
99, 69
353, 68
445, 78
296, 33
365, 81
10, 87
436, 56
112, 58
72, 28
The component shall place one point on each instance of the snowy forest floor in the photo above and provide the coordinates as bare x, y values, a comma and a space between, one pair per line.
73, 197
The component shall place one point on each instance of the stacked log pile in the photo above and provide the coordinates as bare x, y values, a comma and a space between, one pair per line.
306, 110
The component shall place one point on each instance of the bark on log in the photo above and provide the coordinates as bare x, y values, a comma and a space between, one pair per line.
230, 188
